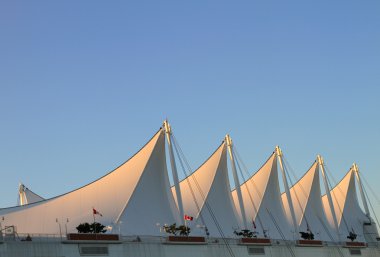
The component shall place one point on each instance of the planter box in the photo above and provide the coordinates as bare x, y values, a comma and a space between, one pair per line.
85, 236
305, 242
255, 241
186, 239
356, 244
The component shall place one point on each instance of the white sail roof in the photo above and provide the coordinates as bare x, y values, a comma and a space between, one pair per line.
307, 203
349, 214
27, 196
137, 193
214, 190
262, 201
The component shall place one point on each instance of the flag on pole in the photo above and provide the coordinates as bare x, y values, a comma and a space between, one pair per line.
95, 212
188, 217
254, 224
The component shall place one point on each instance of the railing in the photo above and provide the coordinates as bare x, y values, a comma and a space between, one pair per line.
33, 237
157, 239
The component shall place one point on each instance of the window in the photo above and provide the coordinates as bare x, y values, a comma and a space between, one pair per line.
256, 251
93, 250
355, 252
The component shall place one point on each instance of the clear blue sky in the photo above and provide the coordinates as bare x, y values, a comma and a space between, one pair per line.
84, 84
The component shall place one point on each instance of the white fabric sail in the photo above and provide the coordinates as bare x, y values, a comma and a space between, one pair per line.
213, 193
262, 202
308, 207
27, 196
136, 195
350, 216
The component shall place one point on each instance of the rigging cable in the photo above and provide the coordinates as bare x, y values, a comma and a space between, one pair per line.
191, 188
373, 210
281, 234
315, 212
277, 226
335, 197
370, 189
375, 196
295, 191
217, 224
238, 160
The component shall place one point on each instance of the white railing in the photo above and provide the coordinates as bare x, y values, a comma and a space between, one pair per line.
154, 239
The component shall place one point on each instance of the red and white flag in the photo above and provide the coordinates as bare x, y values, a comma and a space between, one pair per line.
188, 217
95, 212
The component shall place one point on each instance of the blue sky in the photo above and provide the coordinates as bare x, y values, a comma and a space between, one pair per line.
84, 84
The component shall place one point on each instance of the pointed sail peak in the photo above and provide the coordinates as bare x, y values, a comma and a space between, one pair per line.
278, 150
21, 187
111, 194
345, 178
27, 196
216, 154
309, 174
361, 189
228, 140
355, 168
262, 200
302, 192
166, 126
207, 169
308, 206
206, 193
268, 161
348, 211
320, 160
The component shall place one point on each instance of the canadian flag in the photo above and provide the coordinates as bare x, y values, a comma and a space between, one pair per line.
94, 212
188, 217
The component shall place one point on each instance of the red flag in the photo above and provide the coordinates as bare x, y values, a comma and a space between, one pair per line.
96, 212
254, 224
188, 217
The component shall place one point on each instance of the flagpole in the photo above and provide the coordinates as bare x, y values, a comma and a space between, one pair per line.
93, 215
186, 226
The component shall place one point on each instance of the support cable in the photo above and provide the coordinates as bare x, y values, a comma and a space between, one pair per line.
189, 184
281, 234
373, 210
370, 189
295, 191
288, 246
217, 224
335, 197
325, 228
249, 193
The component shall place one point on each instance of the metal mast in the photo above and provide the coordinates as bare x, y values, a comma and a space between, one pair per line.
236, 180
287, 191
364, 200
328, 193
168, 131
21, 194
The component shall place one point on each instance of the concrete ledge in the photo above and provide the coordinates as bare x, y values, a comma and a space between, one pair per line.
196, 240
91, 242
255, 241
96, 237
355, 245
80, 238
309, 243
